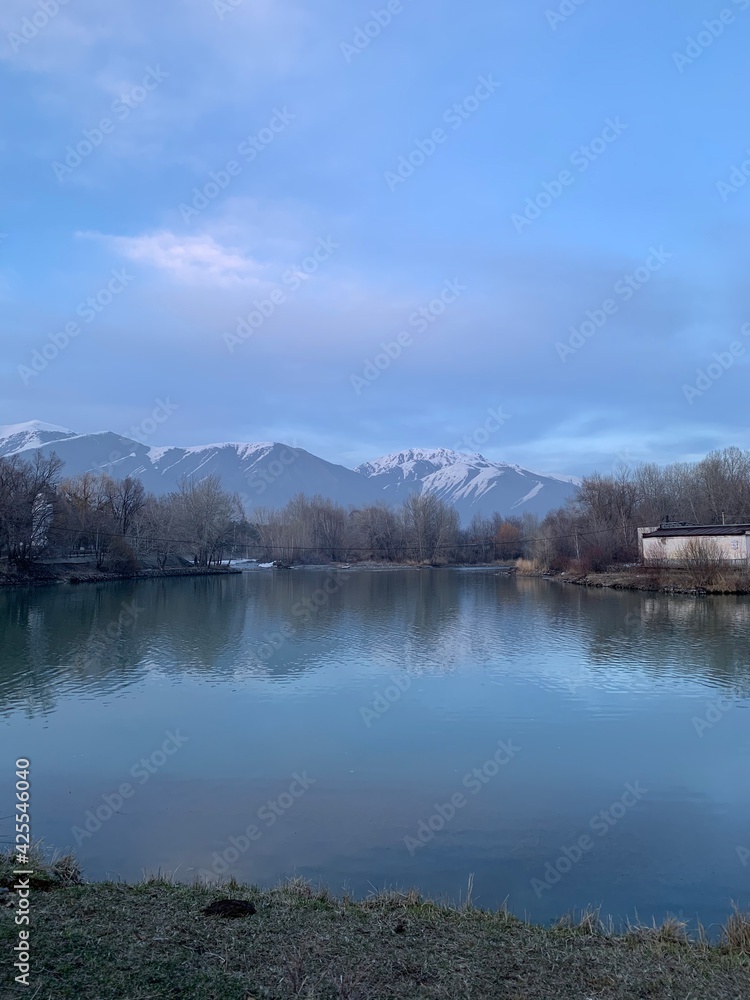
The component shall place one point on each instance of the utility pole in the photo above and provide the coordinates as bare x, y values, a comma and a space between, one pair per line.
722, 518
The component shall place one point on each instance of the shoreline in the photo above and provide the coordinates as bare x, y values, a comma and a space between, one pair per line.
155, 938
640, 579
640, 582
87, 575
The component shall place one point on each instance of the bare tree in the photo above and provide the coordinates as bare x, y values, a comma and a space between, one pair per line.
702, 559
431, 527
27, 503
125, 499
205, 514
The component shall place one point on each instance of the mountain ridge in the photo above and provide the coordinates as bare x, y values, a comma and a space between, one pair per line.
269, 474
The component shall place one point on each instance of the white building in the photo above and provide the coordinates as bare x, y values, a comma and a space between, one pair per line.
667, 543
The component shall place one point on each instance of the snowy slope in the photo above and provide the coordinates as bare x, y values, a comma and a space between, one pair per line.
32, 434
472, 483
269, 474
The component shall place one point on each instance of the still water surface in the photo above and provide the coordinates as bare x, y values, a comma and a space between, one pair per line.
325, 721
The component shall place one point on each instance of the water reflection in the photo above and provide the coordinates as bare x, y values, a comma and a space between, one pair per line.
267, 673
97, 639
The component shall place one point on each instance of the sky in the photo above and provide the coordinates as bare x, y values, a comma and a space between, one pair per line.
516, 228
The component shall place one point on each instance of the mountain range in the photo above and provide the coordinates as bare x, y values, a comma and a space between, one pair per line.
268, 474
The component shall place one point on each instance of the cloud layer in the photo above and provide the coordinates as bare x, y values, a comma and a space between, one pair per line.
292, 191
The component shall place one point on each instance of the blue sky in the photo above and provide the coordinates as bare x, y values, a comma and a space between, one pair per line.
546, 153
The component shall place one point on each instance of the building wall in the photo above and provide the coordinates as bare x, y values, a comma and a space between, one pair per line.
641, 533
733, 548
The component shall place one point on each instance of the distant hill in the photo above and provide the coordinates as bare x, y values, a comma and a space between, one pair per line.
268, 474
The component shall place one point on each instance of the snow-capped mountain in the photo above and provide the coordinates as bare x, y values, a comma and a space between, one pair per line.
471, 483
269, 474
33, 434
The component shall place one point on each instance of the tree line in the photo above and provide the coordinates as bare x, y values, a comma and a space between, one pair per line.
120, 525
115, 522
598, 527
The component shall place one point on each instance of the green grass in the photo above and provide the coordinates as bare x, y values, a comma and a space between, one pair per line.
112, 941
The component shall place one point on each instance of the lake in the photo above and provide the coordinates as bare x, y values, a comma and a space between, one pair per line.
391, 728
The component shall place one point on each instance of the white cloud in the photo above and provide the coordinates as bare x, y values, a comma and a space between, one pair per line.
189, 259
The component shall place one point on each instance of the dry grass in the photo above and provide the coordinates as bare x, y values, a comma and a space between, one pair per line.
673, 580
52, 869
736, 932
588, 921
528, 567
672, 930
152, 941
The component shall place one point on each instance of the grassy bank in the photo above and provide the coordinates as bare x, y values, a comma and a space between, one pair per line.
110, 941
656, 579
665, 581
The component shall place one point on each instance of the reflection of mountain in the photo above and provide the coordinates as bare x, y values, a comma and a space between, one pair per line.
98, 639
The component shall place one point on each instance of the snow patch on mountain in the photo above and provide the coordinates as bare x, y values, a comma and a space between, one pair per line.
31, 434
530, 495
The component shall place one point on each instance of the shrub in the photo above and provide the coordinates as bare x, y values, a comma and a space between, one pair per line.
703, 561
121, 557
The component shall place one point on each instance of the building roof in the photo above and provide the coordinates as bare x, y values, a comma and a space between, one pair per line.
690, 531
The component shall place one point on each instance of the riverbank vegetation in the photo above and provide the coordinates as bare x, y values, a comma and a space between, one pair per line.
117, 527
164, 939
110, 525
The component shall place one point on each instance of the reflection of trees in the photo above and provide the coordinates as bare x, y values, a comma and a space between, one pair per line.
103, 637
713, 637
100, 638
669, 637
